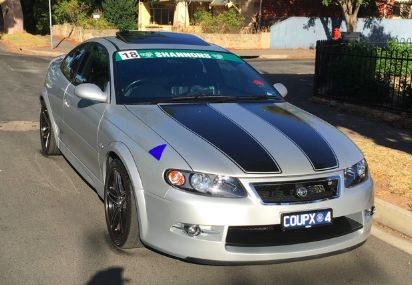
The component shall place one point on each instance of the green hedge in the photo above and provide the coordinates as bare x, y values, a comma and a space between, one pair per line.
229, 21
121, 13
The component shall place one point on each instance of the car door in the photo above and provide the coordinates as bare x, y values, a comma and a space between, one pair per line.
81, 117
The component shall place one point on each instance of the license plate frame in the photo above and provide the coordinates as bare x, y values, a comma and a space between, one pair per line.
306, 219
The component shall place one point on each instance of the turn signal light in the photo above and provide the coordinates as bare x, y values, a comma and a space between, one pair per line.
176, 177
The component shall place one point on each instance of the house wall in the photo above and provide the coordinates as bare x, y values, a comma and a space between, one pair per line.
238, 41
303, 32
144, 15
288, 8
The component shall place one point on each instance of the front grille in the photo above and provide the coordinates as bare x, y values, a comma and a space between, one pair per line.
272, 235
298, 191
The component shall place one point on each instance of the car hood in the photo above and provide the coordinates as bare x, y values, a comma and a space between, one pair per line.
249, 139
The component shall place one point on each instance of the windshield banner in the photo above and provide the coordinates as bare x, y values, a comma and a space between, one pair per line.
171, 53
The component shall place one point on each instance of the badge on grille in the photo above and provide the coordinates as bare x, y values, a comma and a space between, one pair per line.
301, 192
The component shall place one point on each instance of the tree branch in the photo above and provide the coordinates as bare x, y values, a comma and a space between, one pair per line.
357, 7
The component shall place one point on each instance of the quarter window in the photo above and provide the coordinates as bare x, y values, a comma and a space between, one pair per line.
71, 62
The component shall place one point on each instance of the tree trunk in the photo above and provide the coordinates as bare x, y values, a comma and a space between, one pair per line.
350, 9
351, 23
12, 16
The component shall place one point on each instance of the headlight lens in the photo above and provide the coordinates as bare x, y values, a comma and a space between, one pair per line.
207, 184
356, 174
200, 182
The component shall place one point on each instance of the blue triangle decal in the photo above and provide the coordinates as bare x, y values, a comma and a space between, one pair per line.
157, 151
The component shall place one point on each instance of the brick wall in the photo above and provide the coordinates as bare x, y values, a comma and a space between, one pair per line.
302, 8
274, 10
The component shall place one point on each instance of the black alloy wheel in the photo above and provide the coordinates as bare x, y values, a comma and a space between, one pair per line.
120, 207
47, 139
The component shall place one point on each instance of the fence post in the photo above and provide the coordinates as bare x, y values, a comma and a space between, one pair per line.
317, 63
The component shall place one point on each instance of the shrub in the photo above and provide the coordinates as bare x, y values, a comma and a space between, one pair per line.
206, 21
353, 73
97, 24
229, 21
395, 59
72, 11
121, 13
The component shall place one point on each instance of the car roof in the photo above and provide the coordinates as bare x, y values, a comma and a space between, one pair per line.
160, 40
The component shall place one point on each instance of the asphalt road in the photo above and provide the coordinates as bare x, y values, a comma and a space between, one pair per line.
52, 228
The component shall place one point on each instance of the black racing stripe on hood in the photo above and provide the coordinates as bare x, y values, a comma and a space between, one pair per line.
233, 141
312, 144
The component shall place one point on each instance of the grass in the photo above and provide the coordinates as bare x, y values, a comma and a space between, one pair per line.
391, 170
26, 40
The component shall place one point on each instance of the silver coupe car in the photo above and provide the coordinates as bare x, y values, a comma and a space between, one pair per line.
197, 156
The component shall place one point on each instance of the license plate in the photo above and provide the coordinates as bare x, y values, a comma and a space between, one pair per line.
306, 219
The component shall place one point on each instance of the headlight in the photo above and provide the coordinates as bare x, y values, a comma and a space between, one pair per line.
206, 184
356, 174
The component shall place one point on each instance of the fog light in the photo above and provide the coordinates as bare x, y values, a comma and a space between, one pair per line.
192, 230
200, 232
370, 211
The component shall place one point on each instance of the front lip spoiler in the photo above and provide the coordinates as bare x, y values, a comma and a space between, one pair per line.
266, 262
209, 262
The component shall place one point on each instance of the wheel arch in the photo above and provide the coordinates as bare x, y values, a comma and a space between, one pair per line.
118, 150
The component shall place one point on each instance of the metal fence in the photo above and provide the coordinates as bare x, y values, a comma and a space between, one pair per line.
365, 73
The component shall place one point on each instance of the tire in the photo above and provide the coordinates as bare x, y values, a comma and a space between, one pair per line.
121, 208
47, 138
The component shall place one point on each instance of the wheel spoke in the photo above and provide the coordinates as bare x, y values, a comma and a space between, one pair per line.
112, 196
117, 182
121, 215
120, 186
44, 130
47, 140
45, 118
115, 219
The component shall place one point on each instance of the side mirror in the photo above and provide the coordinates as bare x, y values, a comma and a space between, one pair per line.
90, 92
283, 91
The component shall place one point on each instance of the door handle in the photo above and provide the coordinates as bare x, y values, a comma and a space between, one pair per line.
66, 103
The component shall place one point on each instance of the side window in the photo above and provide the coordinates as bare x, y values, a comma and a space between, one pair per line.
95, 67
71, 62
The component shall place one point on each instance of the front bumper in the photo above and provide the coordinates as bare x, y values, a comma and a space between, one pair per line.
216, 215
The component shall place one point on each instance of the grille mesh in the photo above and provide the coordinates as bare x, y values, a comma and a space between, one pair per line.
298, 191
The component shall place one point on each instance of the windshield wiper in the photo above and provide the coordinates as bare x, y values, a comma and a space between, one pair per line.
214, 98
258, 97
199, 97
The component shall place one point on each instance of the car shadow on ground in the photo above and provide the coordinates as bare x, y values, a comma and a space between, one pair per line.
300, 87
109, 276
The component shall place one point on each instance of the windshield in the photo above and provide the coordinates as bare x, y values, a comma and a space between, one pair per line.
155, 76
